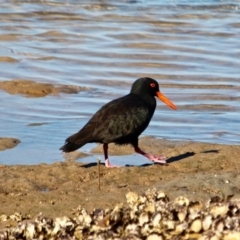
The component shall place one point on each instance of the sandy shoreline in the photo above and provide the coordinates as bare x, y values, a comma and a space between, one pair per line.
195, 170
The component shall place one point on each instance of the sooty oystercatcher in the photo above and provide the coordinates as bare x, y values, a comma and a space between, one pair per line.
122, 120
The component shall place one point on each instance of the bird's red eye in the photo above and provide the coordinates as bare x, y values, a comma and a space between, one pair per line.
152, 85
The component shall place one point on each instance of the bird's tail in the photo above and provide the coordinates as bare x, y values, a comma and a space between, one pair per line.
79, 139
75, 141
70, 146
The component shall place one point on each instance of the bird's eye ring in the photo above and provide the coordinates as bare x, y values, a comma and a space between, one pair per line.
152, 85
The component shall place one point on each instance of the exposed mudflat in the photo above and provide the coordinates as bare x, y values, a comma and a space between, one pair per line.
29, 88
196, 170
6, 143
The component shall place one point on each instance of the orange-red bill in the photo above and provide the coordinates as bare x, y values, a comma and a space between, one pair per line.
166, 100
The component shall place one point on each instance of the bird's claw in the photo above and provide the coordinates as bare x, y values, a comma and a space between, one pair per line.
109, 165
156, 159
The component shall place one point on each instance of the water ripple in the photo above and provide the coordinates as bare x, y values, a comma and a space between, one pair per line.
191, 48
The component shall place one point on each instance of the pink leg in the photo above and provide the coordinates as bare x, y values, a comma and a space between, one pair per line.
107, 162
151, 157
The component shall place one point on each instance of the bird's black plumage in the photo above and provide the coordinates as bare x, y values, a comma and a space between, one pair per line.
120, 121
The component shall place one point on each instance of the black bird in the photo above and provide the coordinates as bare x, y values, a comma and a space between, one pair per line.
122, 120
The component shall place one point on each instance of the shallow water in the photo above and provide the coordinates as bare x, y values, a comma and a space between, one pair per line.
191, 48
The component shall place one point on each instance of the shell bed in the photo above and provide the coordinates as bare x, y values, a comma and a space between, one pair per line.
151, 216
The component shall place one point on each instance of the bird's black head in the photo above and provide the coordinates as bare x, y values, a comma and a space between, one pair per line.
148, 87
143, 86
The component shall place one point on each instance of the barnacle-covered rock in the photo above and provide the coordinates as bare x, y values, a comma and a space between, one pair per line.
151, 216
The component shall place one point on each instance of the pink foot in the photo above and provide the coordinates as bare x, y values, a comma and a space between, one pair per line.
109, 165
151, 157
156, 159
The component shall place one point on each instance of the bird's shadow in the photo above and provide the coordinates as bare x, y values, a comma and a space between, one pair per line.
211, 151
180, 157
93, 164
170, 160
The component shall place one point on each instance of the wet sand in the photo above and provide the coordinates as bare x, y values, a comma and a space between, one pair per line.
196, 170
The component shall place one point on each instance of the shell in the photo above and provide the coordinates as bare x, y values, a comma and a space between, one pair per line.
207, 222
154, 236
232, 236
219, 210
132, 198
181, 201
196, 225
